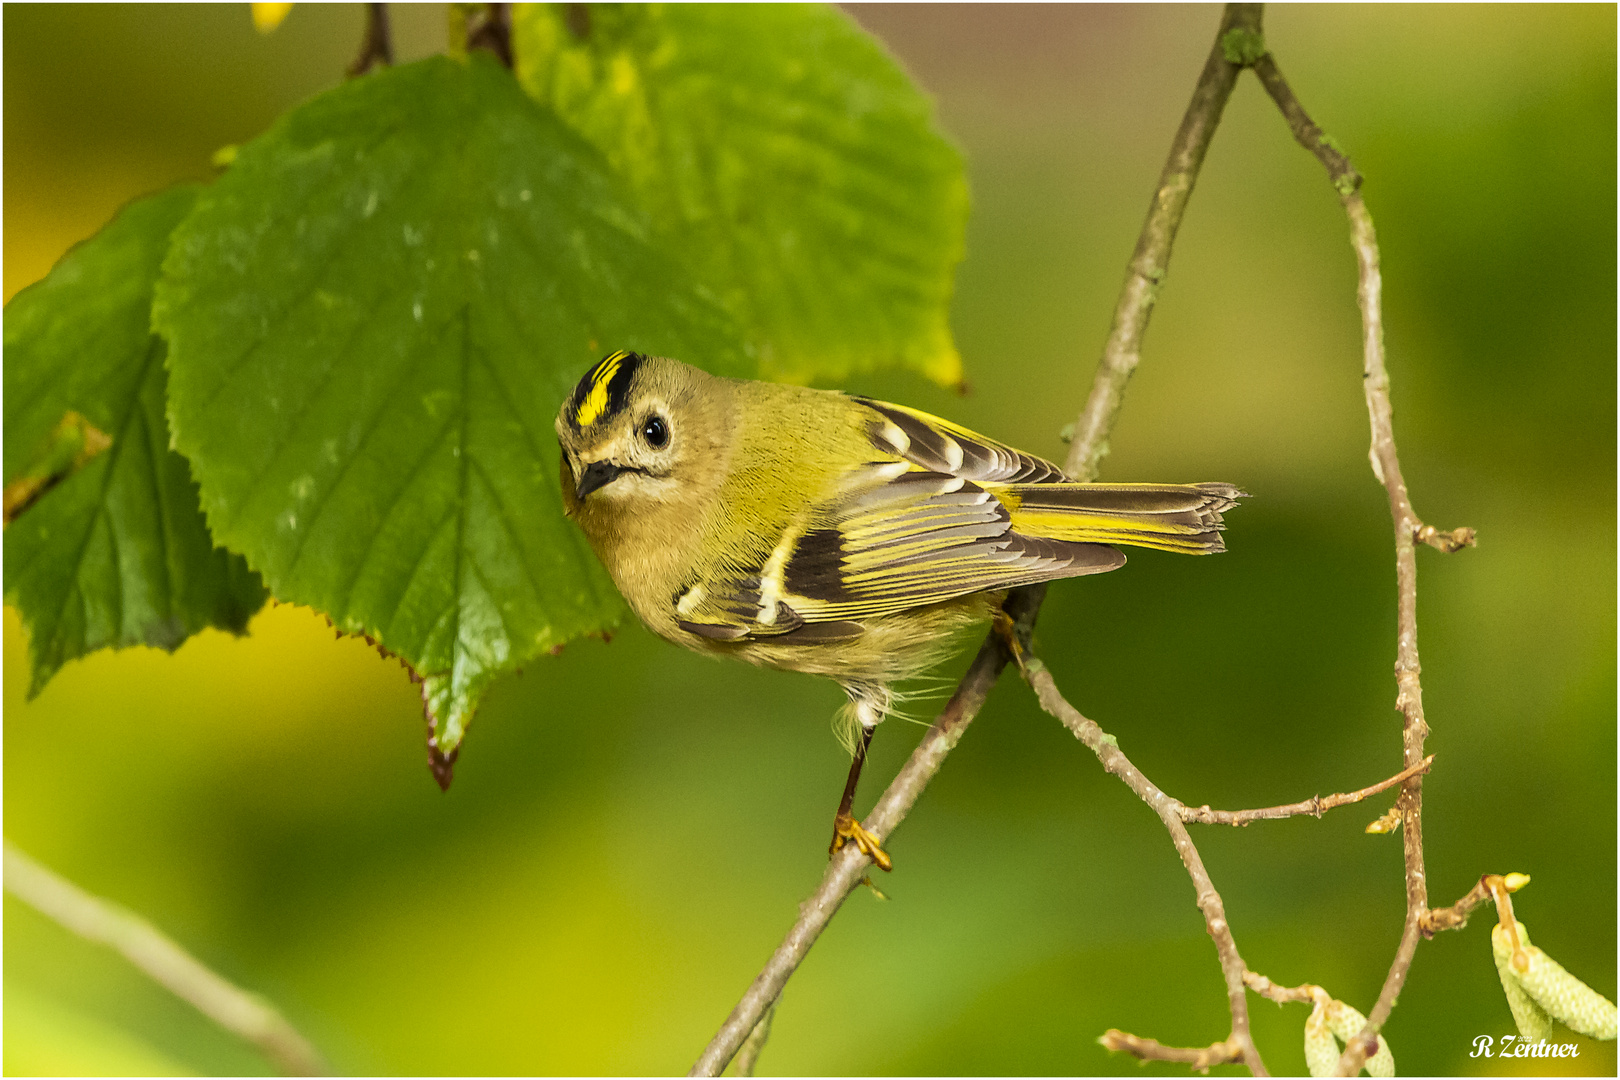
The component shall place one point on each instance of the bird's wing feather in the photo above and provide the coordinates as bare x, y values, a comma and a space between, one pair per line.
936, 445
920, 538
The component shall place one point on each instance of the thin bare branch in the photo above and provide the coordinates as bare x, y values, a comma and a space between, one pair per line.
1455, 917
1120, 357
1408, 530
1315, 806
1114, 760
243, 1014
1198, 1057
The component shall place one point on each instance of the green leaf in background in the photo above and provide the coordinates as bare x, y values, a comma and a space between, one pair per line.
373, 317
785, 155
108, 546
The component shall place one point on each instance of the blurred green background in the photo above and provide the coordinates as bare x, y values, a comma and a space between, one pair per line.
632, 827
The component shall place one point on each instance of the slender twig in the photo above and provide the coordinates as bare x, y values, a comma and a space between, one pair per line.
1198, 1057
1114, 760
1315, 806
1120, 357
1489, 888
1147, 270
1409, 530
1456, 916
243, 1014
1315, 996
1282, 995
378, 44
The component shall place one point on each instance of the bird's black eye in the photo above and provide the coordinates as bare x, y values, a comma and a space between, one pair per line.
655, 431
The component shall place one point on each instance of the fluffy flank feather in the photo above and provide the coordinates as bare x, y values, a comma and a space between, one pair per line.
847, 727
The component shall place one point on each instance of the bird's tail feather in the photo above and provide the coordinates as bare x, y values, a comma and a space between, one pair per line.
1184, 518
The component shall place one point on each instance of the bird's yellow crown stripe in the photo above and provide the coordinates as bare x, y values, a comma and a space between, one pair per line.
596, 401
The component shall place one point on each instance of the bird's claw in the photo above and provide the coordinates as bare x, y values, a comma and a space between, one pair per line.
1002, 623
846, 830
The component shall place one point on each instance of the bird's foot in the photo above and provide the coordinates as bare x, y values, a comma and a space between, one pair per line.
846, 830
1002, 623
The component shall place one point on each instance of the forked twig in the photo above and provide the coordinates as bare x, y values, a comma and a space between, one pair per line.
1106, 747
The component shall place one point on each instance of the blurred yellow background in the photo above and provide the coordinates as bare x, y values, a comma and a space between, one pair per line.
631, 826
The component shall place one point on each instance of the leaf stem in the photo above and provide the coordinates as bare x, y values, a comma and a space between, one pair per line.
378, 45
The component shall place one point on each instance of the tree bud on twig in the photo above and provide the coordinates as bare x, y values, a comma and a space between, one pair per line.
1388, 823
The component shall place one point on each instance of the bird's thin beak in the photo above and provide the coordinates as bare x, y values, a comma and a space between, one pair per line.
595, 475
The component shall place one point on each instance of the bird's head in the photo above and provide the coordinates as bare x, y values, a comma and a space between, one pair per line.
640, 434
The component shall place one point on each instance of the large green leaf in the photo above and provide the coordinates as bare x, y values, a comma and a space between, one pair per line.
785, 155
108, 547
373, 317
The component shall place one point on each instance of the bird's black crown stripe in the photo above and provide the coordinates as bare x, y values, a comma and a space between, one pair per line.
603, 391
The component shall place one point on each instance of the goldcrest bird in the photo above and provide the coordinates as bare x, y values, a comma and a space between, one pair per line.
823, 532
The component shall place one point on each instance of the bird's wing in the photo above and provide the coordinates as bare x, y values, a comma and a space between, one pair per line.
901, 540
942, 512
919, 524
